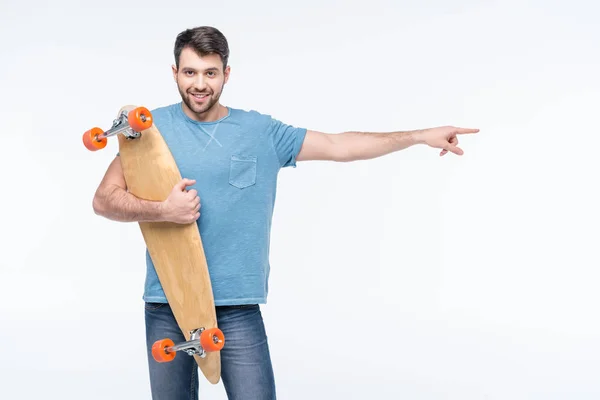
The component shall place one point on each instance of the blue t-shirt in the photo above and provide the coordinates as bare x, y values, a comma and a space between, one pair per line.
235, 162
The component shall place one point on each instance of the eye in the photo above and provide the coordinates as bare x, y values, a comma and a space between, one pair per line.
189, 73
211, 73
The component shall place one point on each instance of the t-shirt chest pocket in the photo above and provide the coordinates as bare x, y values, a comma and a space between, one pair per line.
242, 170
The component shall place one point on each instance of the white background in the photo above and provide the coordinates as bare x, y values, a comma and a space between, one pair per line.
406, 277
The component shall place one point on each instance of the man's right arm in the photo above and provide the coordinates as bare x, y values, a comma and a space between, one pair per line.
113, 201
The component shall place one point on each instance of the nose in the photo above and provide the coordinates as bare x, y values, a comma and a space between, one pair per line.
200, 82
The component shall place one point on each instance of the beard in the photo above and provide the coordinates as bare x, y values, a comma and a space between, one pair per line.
199, 108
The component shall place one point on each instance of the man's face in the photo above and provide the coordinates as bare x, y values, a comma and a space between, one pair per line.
200, 80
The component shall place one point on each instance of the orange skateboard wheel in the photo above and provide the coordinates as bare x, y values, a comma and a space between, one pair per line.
90, 139
207, 339
159, 352
140, 119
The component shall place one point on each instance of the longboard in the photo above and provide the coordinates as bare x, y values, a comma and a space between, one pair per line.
175, 249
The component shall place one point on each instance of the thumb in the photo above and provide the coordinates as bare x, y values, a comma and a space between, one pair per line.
182, 184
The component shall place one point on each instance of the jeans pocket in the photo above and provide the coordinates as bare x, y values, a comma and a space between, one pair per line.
149, 306
242, 170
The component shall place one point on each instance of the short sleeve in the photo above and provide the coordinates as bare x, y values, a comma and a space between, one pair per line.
287, 141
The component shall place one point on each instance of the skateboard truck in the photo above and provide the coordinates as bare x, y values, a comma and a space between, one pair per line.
129, 124
201, 341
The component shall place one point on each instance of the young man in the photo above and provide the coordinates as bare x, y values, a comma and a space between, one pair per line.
230, 159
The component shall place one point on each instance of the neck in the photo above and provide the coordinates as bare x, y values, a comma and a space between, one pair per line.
214, 113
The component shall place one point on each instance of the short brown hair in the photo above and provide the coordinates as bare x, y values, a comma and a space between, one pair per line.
203, 40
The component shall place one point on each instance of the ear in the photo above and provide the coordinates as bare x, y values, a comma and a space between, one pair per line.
174, 69
227, 72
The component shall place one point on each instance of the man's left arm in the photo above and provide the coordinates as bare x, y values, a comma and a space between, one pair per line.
353, 146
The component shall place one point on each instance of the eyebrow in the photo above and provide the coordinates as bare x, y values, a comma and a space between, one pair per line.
195, 70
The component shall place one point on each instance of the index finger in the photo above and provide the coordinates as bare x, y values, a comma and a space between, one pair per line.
466, 130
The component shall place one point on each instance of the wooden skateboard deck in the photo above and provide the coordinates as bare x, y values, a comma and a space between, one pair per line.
176, 249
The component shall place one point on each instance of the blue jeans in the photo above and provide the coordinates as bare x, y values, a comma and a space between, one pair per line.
246, 370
